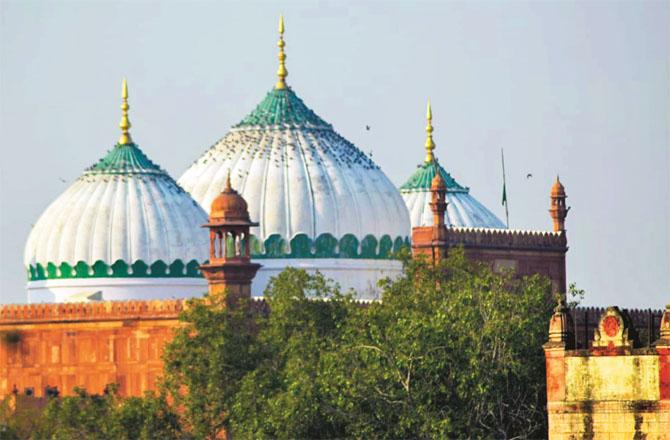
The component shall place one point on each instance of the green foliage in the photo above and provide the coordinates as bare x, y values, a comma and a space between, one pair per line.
288, 394
17, 425
90, 417
575, 295
206, 361
453, 351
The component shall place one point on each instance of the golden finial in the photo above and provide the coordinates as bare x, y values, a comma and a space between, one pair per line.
282, 73
125, 122
430, 145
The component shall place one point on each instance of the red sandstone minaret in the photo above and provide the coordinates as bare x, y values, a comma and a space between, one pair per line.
438, 205
230, 270
431, 241
558, 209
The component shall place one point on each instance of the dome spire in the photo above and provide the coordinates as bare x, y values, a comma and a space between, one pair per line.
229, 187
125, 124
282, 73
430, 145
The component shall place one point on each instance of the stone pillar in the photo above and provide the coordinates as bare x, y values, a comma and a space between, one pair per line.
663, 350
561, 339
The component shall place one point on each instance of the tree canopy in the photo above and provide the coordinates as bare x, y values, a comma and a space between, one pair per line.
93, 417
450, 351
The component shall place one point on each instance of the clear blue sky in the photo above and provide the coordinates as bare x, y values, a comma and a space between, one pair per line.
581, 89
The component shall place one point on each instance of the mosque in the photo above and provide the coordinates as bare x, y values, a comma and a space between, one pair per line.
126, 230
112, 259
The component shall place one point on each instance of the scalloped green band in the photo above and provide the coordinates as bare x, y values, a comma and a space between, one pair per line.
274, 247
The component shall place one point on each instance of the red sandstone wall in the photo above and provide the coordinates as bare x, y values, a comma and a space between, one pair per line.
549, 264
526, 252
85, 345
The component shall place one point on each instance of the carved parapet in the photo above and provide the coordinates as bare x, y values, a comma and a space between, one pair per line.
664, 330
586, 320
560, 327
615, 333
96, 311
507, 239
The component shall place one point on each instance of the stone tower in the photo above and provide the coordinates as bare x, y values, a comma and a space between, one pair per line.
431, 241
230, 270
558, 209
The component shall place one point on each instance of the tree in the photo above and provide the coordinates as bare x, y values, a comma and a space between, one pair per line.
206, 361
451, 351
287, 394
92, 417
16, 424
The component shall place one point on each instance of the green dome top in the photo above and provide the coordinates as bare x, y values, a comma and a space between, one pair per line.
282, 107
423, 177
125, 159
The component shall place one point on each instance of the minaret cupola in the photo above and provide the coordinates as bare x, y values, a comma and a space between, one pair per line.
558, 209
230, 270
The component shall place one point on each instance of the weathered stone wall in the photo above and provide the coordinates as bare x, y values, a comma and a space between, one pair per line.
612, 390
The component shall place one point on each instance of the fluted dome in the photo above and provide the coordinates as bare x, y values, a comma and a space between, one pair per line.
299, 176
307, 186
463, 210
122, 223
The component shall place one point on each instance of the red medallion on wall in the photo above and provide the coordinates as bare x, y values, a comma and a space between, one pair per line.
611, 326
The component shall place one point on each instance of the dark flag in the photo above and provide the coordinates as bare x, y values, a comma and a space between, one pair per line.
504, 194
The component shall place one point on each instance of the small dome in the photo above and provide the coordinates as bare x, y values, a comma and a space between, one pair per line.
463, 210
557, 189
124, 208
122, 230
229, 205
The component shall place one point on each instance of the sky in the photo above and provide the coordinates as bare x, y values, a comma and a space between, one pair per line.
580, 89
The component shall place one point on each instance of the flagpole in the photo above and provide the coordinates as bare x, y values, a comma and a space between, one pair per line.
504, 197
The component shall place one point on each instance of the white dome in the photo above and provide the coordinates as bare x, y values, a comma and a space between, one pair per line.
316, 196
299, 176
463, 210
123, 218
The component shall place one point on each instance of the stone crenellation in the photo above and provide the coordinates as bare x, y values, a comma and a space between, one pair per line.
92, 311
506, 238
585, 320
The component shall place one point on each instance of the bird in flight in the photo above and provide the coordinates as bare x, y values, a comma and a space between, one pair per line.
529, 175
367, 127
